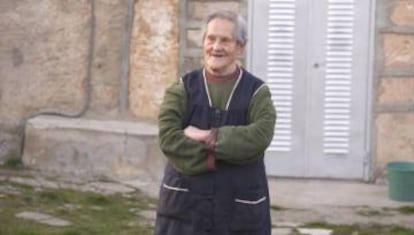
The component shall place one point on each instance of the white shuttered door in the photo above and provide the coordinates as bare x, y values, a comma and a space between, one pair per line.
314, 57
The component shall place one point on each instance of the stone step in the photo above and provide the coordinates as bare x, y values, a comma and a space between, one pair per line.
85, 149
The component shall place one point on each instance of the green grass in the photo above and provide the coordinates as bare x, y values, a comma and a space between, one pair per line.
90, 213
406, 210
373, 212
12, 163
372, 229
278, 208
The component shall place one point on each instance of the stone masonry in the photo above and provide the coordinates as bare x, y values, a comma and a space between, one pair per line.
84, 150
154, 55
394, 107
83, 59
192, 15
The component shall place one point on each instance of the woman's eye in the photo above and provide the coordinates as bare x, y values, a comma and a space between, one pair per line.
210, 39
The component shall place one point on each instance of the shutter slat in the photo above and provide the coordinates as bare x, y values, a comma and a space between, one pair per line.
281, 44
279, 75
338, 84
336, 117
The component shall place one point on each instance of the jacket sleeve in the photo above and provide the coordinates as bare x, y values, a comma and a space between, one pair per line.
243, 144
186, 155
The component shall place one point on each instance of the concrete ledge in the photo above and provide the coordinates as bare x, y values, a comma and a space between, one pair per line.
122, 127
84, 150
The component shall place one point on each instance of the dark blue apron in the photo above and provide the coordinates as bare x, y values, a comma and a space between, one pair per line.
233, 199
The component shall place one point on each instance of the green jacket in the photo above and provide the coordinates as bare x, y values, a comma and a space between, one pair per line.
235, 144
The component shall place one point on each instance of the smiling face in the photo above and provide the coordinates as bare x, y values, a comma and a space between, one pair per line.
220, 47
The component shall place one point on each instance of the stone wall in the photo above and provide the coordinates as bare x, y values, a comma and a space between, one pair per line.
44, 52
394, 106
154, 55
83, 58
192, 14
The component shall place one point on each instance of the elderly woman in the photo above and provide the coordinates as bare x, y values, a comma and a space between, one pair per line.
215, 124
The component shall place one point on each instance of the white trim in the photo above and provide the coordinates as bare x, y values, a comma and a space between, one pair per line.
369, 158
206, 87
174, 188
234, 89
249, 47
258, 89
257, 24
250, 202
231, 94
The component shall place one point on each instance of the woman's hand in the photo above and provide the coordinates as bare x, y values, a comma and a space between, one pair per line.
197, 134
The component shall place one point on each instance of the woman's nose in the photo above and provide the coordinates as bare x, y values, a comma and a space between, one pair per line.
217, 45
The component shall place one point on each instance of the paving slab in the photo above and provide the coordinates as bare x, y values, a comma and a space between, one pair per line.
43, 218
281, 231
302, 201
310, 193
314, 231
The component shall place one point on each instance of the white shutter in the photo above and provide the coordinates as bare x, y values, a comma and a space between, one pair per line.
314, 56
280, 59
338, 76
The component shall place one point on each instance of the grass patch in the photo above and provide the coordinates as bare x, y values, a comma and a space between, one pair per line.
371, 229
372, 212
278, 208
90, 213
13, 163
406, 210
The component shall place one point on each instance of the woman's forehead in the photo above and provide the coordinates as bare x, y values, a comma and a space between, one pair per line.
220, 27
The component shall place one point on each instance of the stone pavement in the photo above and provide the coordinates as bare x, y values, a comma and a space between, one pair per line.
295, 202
302, 201
309, 193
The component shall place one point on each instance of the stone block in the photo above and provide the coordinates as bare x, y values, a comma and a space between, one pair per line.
395, 138
83, 150
43, 218
191, 63
282, 231
315, 231
403, 13
398, 51
43, 56
194, 38
396, 91
200, 10
111, 35
154, 55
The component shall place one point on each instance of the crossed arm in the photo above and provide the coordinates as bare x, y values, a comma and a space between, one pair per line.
187, 148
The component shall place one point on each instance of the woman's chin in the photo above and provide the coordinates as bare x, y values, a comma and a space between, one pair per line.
215, 69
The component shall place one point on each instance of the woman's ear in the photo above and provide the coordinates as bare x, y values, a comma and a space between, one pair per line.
240, 48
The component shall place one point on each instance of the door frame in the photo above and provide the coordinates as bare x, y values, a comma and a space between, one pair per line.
260, 6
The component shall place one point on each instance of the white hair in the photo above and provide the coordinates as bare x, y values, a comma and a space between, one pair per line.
240, 26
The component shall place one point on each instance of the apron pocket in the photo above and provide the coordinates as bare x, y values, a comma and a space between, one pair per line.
174, 201
249, 212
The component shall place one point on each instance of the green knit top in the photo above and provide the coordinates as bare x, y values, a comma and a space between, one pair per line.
235, 144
